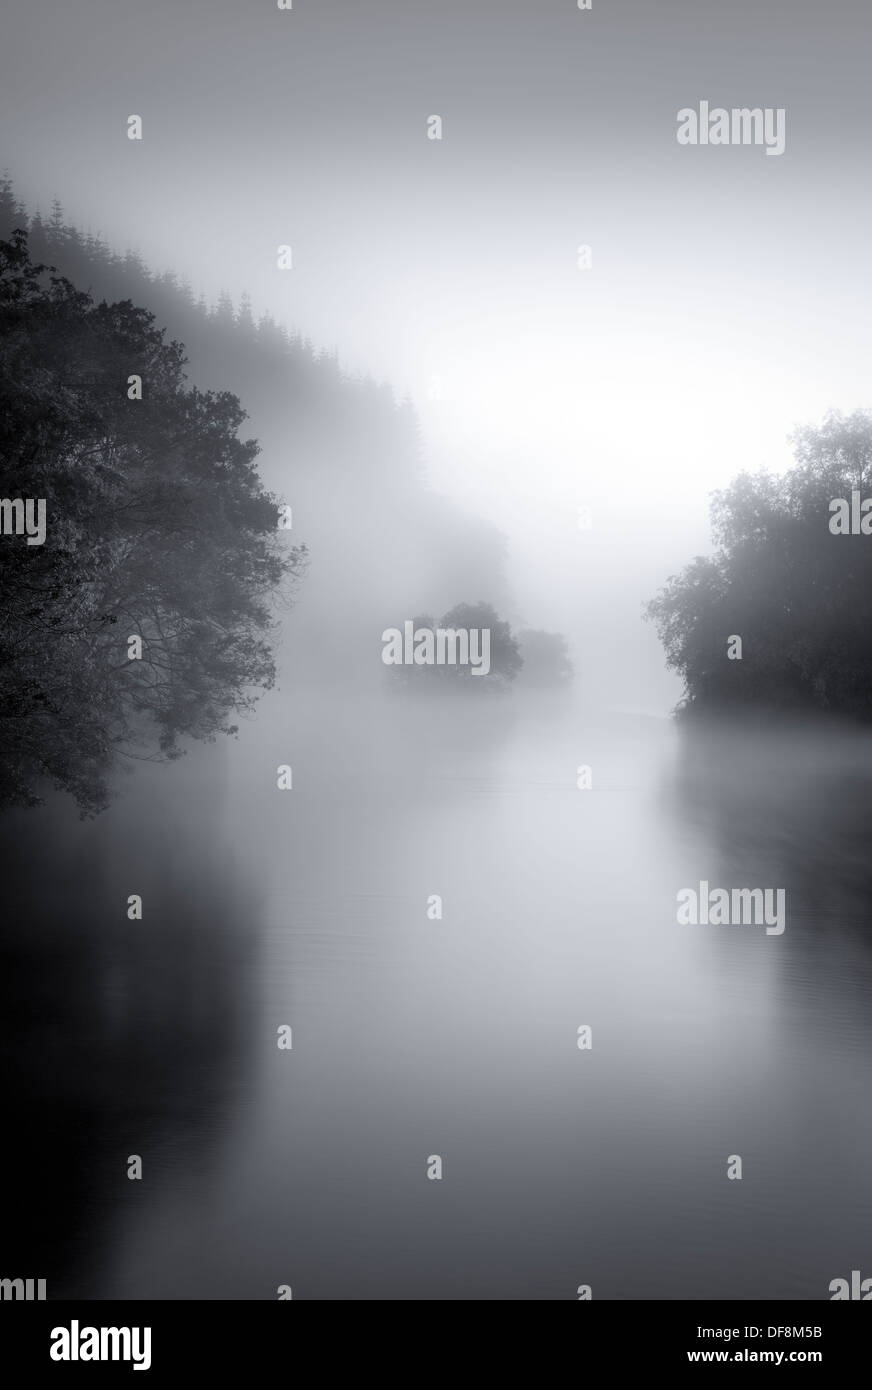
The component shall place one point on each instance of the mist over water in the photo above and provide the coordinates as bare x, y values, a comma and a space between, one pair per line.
414, 1037
441, 387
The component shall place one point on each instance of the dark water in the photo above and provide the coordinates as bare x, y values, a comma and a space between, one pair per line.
414, 1037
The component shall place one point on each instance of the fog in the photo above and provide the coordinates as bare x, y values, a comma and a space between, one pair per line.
454, 1037
458, 413
722, 305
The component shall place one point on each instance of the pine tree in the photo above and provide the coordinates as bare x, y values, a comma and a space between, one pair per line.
245, 318
223, 313
10, 214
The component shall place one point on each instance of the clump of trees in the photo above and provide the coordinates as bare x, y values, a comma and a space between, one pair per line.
158, 527
324, 433
505, 660
799, 596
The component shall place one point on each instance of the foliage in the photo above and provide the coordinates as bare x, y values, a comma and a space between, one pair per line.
157, 526
799, 596
505, 656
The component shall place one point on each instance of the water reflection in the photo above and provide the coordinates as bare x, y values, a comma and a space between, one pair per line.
457, 1036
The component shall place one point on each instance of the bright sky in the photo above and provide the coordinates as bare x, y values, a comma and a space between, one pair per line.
728, 297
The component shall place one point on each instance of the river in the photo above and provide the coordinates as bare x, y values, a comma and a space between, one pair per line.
416, 1036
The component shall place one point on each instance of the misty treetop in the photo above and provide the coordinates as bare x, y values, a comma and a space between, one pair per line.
787, 579
338, 445
157, 527
470, 640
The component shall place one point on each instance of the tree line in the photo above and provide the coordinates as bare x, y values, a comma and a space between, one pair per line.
787, 580
158, 529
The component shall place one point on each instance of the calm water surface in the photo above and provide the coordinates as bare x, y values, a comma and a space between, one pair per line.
457, 1037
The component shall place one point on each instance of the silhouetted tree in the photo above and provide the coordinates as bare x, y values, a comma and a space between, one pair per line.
343, 451
157, 526
245, 318
799, 596
10, 213
505, 657
224, 315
